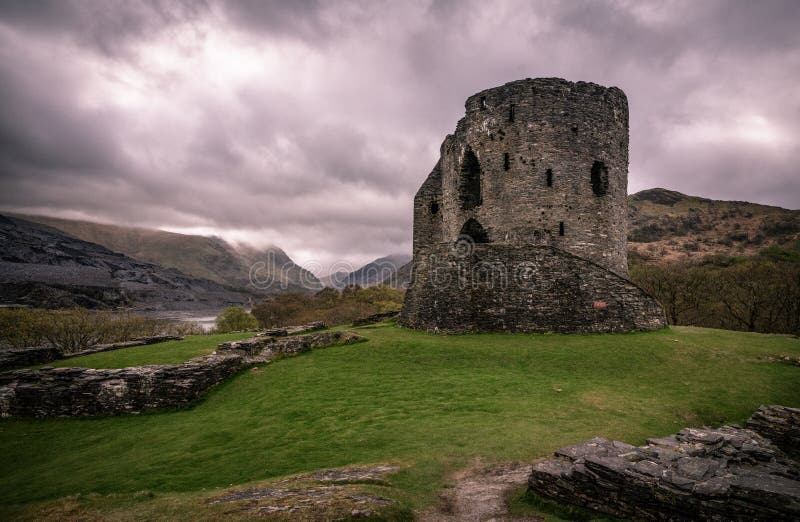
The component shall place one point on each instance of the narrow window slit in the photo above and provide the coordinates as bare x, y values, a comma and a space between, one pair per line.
549, 176
560, 228
511, 113
506, 161
483, 102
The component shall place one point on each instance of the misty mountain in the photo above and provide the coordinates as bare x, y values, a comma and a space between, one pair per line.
42, 266
202, 257
382, 270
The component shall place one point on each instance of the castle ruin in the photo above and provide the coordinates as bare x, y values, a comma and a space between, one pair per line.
521, 225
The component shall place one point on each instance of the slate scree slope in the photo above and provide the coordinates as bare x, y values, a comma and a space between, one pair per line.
520, 226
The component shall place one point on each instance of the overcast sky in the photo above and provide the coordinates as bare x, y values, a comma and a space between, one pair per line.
310, 125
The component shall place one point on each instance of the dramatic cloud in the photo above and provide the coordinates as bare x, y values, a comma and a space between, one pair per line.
310, 124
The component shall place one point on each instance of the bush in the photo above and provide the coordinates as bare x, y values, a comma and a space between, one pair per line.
235, 319
328, 305
77, 329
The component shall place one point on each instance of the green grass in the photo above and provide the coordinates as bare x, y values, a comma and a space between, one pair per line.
429, 403
170, 352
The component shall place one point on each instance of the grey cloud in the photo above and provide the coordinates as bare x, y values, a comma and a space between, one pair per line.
324, 155
107, 26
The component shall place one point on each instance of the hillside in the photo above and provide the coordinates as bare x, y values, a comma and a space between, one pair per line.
383, 270
42, 266
203, 257
664, 226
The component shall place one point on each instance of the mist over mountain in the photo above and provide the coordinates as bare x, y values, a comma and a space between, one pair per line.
205, 257
42, 266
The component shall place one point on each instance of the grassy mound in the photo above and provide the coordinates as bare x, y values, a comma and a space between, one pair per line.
428, 403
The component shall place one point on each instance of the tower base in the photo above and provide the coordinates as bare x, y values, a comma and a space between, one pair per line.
512, 288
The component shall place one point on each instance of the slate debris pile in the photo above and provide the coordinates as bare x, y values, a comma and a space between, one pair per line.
727, 473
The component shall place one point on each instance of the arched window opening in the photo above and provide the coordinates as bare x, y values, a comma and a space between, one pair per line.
549, 177
469, 185
434, 208
599, 178
506, 161
560, 228
475, 231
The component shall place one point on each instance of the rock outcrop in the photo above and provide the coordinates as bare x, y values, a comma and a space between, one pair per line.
94, 392
779, 424
728, 473
333, 494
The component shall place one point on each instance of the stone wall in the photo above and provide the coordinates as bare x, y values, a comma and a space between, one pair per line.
94, 392
779, 424
28, 356
508, 288
533, 145
17, 357
728, 473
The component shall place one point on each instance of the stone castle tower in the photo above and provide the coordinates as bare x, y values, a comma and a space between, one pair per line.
521, 225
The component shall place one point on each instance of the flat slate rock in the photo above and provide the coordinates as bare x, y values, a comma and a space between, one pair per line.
727, 473
331, 494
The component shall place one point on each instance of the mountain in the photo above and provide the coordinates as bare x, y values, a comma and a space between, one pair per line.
202, 257
335, 280
382, 270
402, 278
42, 266
664, 226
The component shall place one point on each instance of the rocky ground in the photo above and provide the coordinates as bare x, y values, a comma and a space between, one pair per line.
334, 494
480, 494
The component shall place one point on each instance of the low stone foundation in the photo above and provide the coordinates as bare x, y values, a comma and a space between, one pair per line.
294, 330
17, 357
376, 318
728, 473
29, 356
98, 392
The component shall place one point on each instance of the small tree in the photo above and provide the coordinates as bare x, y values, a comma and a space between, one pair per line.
233, 319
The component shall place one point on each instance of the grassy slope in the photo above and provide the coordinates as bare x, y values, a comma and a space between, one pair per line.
431, 403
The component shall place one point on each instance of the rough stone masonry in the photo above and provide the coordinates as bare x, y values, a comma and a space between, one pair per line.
521, 224
49, 392
727, 473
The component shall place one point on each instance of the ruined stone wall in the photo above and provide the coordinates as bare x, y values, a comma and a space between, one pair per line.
727, 473
509, 288
536, 143
95, 392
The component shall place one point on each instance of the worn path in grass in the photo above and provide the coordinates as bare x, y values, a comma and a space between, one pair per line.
430, 404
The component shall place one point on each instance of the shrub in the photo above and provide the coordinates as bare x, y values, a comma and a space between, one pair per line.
78, 328
328, 305
235, 319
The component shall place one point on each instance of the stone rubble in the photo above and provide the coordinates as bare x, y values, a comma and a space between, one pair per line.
779, 424
727, 473
94, 392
